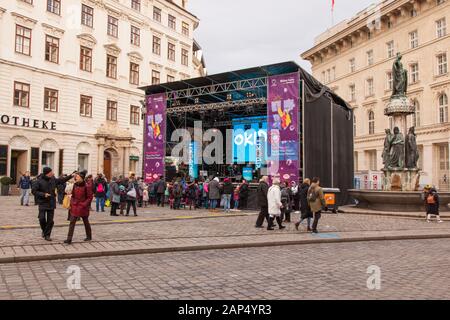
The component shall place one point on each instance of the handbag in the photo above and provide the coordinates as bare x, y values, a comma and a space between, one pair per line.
132, 193
116, 198
108, 203
66, 202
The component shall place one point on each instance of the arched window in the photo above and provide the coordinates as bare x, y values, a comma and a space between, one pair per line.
443, 108
371, 122
415, 117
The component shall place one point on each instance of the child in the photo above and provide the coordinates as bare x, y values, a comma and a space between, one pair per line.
145, 196
236, 198
123, 198
432, 205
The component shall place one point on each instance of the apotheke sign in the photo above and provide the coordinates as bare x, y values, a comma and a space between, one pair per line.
27, 122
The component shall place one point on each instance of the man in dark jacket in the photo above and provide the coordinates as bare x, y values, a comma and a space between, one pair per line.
263, 188
243, 194
44, 190
306, 213
160, 189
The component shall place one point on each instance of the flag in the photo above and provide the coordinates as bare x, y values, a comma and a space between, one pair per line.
332, 5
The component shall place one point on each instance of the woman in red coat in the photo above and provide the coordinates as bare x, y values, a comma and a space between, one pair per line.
80, 202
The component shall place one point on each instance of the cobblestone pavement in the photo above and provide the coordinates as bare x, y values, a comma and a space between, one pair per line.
409, 270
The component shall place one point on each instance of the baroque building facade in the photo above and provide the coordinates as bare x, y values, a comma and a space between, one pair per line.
70, 72
355, 58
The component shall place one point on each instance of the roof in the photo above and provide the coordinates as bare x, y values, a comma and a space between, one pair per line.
312, 85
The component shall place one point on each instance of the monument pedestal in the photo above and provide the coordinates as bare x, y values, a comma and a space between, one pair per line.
401, 179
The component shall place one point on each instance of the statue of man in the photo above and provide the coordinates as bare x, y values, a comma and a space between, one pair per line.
397, 155
399, 78
387, 148
412, 153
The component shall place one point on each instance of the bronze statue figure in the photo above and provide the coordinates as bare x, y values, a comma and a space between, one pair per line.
399, 78
412, 152
397, 155
387, 148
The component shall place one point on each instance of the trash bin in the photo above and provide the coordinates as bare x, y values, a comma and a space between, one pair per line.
330, 196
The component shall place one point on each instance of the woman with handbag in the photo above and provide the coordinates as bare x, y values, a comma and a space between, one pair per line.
132, 196
114, 196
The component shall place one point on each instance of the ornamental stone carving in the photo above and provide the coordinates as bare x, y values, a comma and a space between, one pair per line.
87, 40
112, 49
19, 142
135, 57
23, 20
54, 31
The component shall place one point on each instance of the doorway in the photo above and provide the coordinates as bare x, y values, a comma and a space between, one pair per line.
107, 165
18, 164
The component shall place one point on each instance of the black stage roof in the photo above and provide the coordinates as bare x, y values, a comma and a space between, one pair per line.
313, 87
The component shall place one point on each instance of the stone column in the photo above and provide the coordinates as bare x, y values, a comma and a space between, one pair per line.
428, 164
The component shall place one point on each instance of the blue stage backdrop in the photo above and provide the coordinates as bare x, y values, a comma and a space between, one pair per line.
247, 134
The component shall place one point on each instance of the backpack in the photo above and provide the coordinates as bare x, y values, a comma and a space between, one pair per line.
431, 199
100, 188
312, 195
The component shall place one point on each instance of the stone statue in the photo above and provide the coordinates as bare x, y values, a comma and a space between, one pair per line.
399, 78
412, 153
387, 148
397, 154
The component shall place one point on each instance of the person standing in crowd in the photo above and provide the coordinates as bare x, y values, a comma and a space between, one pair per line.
68, 192
132, 195
115, 197
100, 188
25, 186
227, 192
316, 201
243, 194
167, 193
432, 204
295, 196
123, 185
274, 204
262, 191
60, 189
160, 189
191, 190
44, 189
177, 192
236, 199
214, 193
145, 197
306, 213
205, 195
286, 201
82, 196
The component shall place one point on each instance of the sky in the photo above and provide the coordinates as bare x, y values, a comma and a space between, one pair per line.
236, 34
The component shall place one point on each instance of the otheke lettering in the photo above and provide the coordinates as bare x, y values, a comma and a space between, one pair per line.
27, 123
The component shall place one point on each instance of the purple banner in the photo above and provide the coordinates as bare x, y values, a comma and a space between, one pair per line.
283, 126
155, 137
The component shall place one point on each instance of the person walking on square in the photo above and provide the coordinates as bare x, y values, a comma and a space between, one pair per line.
227, 191
243, 194
68, 194
295, 196
81, 199
160, 190
214, 193
100, 188
60, 189
305, 209
432, 205
286, 201
25, 187
236, 199
262, 191
145, 197
44, 190
274, 204
177, 192
115, 196
316, 201
132, 195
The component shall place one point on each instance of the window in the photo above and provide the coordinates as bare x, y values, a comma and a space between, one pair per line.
21, 94
134, 73
414, 73
136, 5
134, 115
389, 80
50, 100
86, 59
370, 87
442, 64
441, 28
83, 162
184, 57
416, 115
85, 106
413, 39
443, 108
113, 27
185, 29
156, 45
170, 78
389, 24
27, 1
413, 13
371, 122
135, 36
87, 16
438, 2
23, 40
172, 22
157, 14
111, 110
370, 57
352, 90
111, 67
390, 49
372, 160
333, 73
156, 77
352, 65
171, 52
54, 6
51, 49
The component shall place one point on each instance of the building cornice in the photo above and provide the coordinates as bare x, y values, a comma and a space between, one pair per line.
23, 19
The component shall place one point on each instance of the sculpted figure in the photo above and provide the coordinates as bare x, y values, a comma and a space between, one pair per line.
397, 154
412, 153
400, 78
